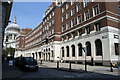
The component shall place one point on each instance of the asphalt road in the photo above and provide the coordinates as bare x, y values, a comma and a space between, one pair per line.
55, 73
46, 72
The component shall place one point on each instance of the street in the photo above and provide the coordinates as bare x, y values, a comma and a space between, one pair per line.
48, 72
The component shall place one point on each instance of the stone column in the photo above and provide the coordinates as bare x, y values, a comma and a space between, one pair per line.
12, 36
38, 56
65, 52
76, 51
34, 56
70, 49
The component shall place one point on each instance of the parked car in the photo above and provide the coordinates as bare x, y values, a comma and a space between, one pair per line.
28, 63
17, 61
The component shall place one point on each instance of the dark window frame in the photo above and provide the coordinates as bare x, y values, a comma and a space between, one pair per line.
116, 48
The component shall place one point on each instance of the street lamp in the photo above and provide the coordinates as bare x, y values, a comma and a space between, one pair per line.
85, 50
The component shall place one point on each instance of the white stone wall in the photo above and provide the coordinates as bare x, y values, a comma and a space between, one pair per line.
107, 46
106, 35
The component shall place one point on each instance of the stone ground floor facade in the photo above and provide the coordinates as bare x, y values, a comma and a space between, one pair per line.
102, 47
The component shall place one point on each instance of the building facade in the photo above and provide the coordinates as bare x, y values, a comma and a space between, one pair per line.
68, 27
20, 42
5, 10
10, 35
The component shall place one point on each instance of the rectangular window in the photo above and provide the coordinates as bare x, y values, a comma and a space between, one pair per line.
22, 38
73, 23
72, 11
50, 32
68, 36
80, 32
50, 15
119, 10
95, 10
79, 19
22, 42
78, 7
73, 34
88, 30
63, 18
116, 48
85, 3
62, 38
50, 23
67, 15
68, 25
45, 20
62, 9
87, 16
53, 21
53, 13
53, 30
21, 45
63, 28
67, 5
97, 26
72, 2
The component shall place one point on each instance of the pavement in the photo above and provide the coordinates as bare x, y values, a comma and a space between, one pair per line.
81, 68
10, 71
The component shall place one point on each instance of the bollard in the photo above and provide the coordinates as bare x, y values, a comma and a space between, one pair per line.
91, 61
70, 66
41, 62
85, 66
57, 64
111, 67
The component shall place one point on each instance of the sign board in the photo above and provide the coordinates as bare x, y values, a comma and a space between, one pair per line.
10, 62
116, 36
84, 49
105, 36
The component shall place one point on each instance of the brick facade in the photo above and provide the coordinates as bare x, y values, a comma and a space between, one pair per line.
89, 23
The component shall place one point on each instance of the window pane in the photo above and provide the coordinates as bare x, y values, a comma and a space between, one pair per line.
86, 15
97, 25
116, 48
79, 19
96, 10
78, 7
119, 10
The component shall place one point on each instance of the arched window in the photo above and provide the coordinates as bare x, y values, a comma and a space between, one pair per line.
67, 48
73, 50
62, 51
80, 49
52, 53
98, 45
88, 48
39, 55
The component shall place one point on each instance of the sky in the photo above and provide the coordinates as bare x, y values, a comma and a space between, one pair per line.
28, 14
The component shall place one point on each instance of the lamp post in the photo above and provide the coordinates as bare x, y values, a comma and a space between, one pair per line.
84, 49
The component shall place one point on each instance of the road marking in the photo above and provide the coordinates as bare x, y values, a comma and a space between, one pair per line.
68, 76
80, 75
